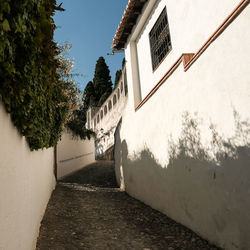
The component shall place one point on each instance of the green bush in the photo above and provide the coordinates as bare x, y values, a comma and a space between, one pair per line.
29, 83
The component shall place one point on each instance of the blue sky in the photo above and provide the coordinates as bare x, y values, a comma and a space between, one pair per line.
90, 25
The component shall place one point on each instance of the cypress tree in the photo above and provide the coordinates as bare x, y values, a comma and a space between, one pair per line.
117, 77
102, 82
89, 95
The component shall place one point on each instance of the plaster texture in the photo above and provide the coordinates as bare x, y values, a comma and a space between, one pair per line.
73, 154
26, 182
186, 151
190, 26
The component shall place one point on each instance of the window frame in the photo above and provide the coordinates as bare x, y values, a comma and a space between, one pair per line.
160, 40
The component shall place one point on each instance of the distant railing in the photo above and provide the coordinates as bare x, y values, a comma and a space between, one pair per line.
96, 114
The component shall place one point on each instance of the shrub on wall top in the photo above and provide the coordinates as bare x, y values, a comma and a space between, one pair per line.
30, 86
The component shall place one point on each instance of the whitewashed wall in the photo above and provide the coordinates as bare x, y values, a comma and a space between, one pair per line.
106, 127
104, 123
108, 120
190, 24
186, 151
26, 182
73, 154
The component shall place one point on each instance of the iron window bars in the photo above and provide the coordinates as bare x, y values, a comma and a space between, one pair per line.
159, 36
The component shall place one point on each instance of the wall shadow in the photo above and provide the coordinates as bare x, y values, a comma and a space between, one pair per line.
98, 174
205, 188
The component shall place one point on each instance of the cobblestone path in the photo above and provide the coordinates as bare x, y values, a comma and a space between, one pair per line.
88, 211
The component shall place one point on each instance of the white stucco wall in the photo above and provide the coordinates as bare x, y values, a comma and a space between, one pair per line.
73, 154
190, 26
111, 118
105, 128
26, 182
186, 151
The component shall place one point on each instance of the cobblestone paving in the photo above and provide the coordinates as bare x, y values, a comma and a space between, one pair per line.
88, 211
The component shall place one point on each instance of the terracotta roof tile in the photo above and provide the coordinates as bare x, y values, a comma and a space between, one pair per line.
127, 22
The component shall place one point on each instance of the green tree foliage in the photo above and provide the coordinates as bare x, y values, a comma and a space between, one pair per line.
102, 81
31, 88
117, 77
88, 99
89, 95
76, 117
76, 125
119, 73
123, 62
66, 78
95, 94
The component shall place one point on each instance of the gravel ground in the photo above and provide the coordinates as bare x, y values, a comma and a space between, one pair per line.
88, 211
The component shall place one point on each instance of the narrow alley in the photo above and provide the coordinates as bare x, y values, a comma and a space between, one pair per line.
88, 211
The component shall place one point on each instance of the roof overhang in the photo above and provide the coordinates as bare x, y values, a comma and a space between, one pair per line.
128, 21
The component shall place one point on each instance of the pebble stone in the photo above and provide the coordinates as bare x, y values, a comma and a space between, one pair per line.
88, 211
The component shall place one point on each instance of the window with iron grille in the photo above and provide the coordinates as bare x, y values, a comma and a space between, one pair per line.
159, 36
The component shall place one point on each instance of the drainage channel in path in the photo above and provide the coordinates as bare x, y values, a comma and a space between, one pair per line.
88, 211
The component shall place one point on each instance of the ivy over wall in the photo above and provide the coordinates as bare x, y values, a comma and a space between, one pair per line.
29, 83
76, 124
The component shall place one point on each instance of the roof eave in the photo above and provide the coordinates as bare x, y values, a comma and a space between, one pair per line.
128, 21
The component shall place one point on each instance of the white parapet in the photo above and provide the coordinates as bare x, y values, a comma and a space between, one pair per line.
73, 154
26, 182
103, 120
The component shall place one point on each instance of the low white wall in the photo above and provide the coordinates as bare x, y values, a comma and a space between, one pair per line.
73, 154
186, 151
111, 118
26, 182
105, 128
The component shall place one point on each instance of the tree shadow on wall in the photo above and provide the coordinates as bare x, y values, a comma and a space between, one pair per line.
218, 150
206, 188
